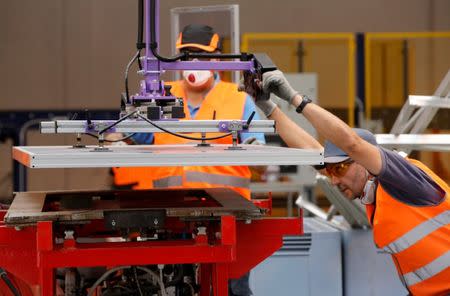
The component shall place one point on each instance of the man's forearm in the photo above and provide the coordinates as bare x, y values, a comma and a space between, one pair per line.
327, 125
339, 133
293, 135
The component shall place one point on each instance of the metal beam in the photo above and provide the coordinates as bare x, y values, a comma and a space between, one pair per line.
163, 155
140, 126
429, 101
431, 142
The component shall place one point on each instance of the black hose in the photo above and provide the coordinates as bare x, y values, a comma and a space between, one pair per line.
185, 55
249, 120
140, 44
139, 61
241, 56
116, 122
8, 282
183, 136
153, 43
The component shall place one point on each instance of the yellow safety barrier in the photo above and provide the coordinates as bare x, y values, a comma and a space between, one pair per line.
369, 40
349, 38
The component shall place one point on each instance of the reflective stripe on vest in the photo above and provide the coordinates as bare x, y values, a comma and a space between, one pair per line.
418, 232
223, 102
218, 179
168, 182
416, 237
429, 270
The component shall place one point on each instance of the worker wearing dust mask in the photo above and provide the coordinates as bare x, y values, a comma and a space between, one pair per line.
205, 96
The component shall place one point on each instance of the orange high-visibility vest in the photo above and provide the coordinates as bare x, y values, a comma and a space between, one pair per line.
222, 102
417, 237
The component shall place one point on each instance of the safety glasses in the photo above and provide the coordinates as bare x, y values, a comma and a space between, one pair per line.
338, 169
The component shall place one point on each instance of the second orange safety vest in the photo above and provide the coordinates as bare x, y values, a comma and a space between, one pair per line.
417, 237
222, 102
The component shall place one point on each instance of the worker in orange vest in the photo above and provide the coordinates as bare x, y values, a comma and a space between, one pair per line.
407, 204
205, 97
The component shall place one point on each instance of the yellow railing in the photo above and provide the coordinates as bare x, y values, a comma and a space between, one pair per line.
351, 58
368, 44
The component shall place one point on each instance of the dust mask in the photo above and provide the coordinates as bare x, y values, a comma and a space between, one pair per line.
369, 191
197, 77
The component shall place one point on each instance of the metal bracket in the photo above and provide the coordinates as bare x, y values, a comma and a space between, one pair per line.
134, 219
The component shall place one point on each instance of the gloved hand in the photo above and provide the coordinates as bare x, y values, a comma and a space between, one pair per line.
262, 101
275, 82
266, 106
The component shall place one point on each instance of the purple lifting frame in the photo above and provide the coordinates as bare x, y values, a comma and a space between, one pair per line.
154, 86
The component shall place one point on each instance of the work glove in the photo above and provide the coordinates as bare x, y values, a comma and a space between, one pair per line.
262, 101
266, 106
275, 82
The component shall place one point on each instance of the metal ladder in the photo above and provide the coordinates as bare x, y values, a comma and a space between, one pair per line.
407, 130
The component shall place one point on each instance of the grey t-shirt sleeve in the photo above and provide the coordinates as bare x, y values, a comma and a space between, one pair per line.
406, 182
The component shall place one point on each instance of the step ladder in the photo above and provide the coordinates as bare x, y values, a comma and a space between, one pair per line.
414, 117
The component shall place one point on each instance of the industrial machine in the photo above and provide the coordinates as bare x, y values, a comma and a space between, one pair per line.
147, 242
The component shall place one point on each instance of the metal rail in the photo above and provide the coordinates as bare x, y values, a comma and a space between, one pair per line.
163, 155
140, 126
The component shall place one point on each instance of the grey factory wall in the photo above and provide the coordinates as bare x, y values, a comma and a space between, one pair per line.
59, 54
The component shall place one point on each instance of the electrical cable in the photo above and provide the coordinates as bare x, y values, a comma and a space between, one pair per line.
112, 270
182, 136
139, 44
161, 277
241, 56
117, 122
139, 61
155, 276
191, 287
9, 283
153, 43
104, 277
249, 120
127, 69
185, 55
137, 281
